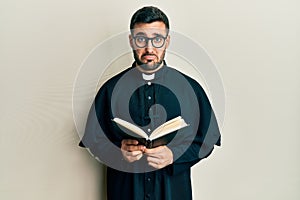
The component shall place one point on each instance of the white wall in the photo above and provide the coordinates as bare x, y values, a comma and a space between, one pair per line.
255, 45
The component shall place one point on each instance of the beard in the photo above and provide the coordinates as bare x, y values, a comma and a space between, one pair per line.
152, 65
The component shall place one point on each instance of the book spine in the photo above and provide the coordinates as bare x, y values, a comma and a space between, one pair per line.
149, 144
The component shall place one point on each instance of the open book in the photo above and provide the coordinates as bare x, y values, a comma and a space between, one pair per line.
162, 135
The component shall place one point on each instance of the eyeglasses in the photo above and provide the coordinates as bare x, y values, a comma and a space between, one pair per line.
142, 41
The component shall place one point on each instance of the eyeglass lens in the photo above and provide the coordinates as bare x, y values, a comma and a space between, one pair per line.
142, 41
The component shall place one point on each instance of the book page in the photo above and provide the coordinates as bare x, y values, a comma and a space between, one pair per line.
168, 127
133, 128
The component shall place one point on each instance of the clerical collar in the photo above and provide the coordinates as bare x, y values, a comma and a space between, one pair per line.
148, 77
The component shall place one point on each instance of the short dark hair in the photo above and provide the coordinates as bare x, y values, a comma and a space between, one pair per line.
149, 14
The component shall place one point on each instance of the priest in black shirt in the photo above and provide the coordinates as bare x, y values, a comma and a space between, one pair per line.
148, 94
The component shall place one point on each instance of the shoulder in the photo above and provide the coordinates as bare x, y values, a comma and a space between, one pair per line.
108, 86
111, 82
192, 82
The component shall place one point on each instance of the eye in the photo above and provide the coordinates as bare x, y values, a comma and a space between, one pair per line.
140, 39
158, 39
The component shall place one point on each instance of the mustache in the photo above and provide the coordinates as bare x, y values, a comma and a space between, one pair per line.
148, 54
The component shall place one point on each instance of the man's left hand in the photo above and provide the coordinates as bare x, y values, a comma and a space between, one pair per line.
159, 157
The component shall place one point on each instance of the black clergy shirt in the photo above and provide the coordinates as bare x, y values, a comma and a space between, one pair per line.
149, 103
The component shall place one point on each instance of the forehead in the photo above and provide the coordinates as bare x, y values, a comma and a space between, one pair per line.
150, 29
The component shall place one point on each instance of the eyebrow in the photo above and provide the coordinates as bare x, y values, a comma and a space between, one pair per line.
140, 33
143, 34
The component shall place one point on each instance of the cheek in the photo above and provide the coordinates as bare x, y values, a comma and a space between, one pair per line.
160, 53
139, 52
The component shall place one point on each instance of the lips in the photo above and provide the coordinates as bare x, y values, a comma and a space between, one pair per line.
149, 57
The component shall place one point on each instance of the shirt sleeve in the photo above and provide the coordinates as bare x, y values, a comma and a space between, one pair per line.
96, 138
207, 136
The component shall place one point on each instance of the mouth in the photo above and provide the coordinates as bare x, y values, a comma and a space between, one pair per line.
149, 58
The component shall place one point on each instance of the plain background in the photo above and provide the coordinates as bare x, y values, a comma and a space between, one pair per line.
255, 45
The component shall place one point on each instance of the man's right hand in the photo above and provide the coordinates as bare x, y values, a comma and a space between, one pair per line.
131, 150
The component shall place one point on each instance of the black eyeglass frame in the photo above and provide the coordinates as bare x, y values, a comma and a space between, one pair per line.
151, 39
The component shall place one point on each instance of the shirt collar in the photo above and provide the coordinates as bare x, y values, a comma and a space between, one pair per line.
158, 74
148, 77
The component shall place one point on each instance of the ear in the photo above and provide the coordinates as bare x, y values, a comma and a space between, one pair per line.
167, 41
130, 40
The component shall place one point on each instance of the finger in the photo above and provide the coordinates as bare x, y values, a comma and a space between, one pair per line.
154, 156
134, 153
132, 156
160, 159
157, 163
154, 160
155, 150
154, 165
135, 156
129, 145
134, 147
139, 156
130, 142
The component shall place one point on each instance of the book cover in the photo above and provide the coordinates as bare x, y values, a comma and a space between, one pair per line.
162, 135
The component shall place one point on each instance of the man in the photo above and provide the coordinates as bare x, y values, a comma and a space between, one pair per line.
148, 94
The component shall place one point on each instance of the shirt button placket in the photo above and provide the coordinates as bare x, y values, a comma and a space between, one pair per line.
148, 196
148, 187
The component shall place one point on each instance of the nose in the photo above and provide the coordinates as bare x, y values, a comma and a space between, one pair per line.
149, 47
